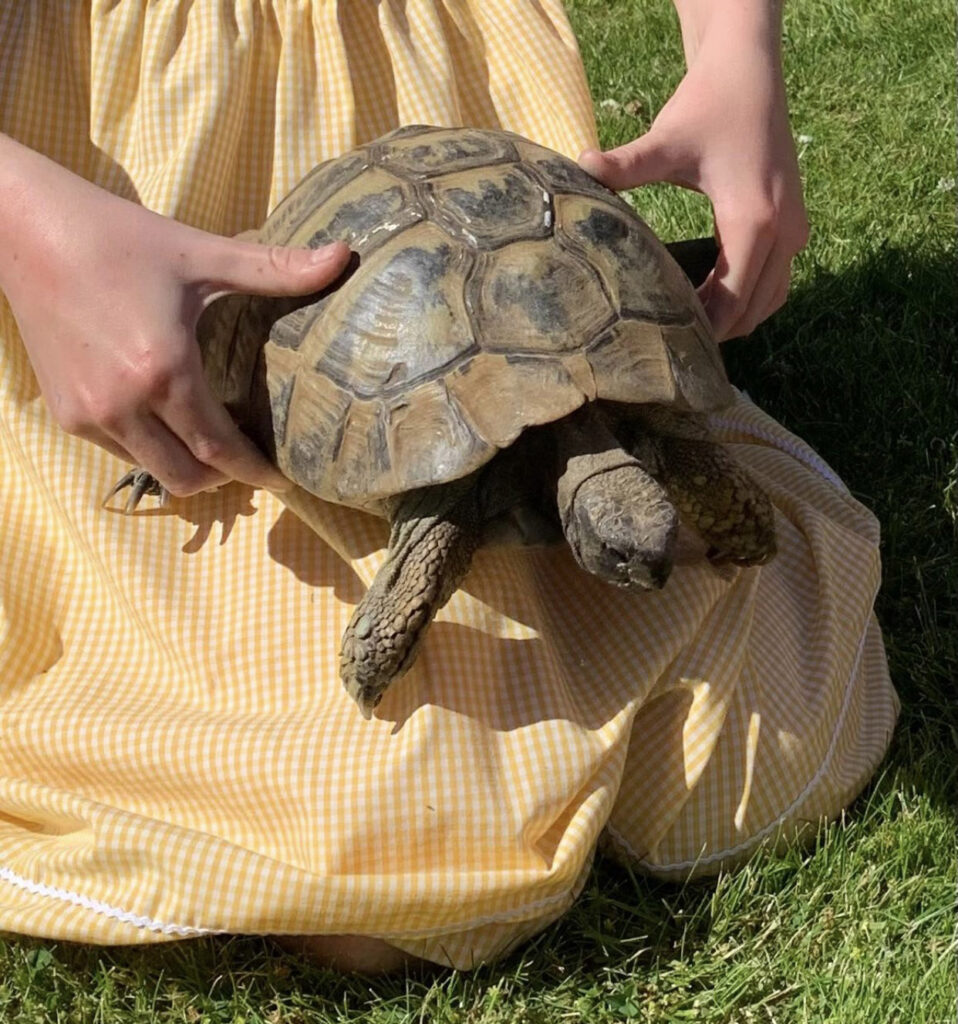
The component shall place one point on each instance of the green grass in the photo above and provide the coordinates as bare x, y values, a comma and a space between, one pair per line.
862, 362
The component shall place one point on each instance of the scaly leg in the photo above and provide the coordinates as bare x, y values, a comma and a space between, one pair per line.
714, 494
719, 500
435, 532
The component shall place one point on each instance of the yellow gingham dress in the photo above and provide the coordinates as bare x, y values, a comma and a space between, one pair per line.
177, 754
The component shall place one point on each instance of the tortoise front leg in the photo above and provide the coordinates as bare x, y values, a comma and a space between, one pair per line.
713, 492
718, 499
435, 532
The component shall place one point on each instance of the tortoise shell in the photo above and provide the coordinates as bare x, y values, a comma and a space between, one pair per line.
497, 287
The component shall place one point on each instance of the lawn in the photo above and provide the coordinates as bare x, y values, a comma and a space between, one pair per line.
862, 363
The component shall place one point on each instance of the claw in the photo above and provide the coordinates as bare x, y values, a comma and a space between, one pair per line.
140, 482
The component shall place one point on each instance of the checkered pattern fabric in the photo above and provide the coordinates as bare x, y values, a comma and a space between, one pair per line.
177, 755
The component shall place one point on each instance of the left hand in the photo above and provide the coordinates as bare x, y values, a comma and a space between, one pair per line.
725, 133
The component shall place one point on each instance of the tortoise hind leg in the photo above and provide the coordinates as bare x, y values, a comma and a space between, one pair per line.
435, 532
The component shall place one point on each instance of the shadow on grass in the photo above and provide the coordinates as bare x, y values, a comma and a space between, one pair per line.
864, 365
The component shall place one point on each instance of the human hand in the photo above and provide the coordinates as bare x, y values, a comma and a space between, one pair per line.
107, 296
725, 133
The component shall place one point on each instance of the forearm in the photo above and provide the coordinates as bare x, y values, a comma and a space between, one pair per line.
15, 197
38, 200
756, 23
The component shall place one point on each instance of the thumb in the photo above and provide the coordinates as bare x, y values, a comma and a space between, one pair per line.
636, 163
235, 265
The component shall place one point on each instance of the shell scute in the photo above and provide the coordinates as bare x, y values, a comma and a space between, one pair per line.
309, 415
502, 395
299, 208
561, 175
445, 151
404, 320
631, 364
697, 367
644, 281
364, 212
361, 466
430, 436
534, 298
492, 206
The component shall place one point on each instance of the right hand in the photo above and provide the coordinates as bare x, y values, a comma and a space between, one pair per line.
725, 132
107, 296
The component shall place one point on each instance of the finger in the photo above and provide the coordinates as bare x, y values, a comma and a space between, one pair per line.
769, 295
107, 443
231, 265
208, 432
153, 446
102, 438
636, 163
744, 247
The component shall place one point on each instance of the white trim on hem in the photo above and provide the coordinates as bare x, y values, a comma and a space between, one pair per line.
99, 907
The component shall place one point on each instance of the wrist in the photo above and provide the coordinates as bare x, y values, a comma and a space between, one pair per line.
734, 24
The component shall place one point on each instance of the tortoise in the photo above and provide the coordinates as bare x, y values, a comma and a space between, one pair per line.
512, 356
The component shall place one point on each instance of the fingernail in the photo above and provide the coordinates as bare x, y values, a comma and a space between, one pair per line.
327, 253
